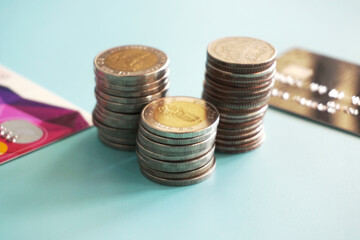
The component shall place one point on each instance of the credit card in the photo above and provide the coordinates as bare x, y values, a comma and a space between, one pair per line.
319, 88
32, 117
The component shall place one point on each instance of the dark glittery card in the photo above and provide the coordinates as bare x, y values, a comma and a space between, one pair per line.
320, 88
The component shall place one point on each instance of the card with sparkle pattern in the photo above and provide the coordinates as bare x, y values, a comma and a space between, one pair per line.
32, 117
319, 88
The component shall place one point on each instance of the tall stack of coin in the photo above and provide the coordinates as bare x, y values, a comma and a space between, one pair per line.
127, 79
175, 142
238, 81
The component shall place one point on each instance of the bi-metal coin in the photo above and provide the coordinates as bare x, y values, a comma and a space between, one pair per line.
134, 63
174, 141
179, 117
179, 175
180, 182
174, 166
143, 93
174, 150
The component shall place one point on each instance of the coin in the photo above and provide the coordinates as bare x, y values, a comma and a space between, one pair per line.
174, 141
236, 77
175, 166
179, 117
240, 148
238, 131
131, 63
122, 147
126, 117
178, 157
134, 100
175, 150
118, 140
115, 122
239, 136
142, 87
120, 107
179, 175
242, 140
115, 132
241, 52
127, 78
180, 182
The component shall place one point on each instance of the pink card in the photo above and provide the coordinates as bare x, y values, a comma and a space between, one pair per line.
32, 117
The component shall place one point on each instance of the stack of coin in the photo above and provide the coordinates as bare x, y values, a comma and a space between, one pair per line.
175, 142
127, 79
238, 81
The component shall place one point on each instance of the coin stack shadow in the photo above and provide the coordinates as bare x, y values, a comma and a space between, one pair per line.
175, 142
238, 80
127, 79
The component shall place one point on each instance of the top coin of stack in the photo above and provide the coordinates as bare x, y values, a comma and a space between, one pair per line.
238, 81
175, 143
127, 79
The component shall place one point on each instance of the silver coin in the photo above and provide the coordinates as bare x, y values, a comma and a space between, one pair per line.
120, 107
131, 63
175, 150
241, 141
257, 89
122, 147
240, 148
142, 87
240, 78
239, 70
241, 52
117, 140
236, 99
143, 93
133, 100
239, 125
241, 84
115, 132
240, 136
175, 166
246, 106
115, 122
233, 94
239, 112
123, 116
180, 182
179, 157
174, 141
241, 120
247, 115
179, 175
239, 131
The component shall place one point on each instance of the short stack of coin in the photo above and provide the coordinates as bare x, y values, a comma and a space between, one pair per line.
175, 142
127, 79
238, 80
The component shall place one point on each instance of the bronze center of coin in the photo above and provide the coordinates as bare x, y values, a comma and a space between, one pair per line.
180, 114
131, 60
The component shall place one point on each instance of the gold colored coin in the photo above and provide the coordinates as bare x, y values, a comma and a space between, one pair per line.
131, 60
180, 114
180, 117
131, 63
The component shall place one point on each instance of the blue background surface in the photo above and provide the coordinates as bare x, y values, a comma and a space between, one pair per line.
302, 183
